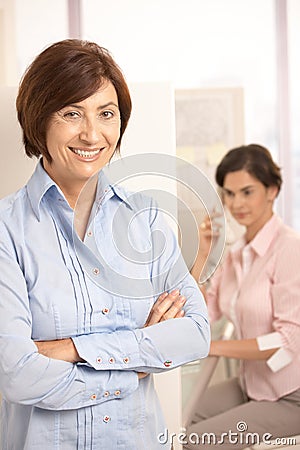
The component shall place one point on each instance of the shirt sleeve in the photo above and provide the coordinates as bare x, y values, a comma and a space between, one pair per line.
29, 378
212, 295
286, 306
164, 345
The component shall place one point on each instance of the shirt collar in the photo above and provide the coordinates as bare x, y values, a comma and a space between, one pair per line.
37, 186
261, 242
106, 190
265, 236
40, 183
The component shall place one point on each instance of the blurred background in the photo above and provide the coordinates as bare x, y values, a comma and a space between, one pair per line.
193, 44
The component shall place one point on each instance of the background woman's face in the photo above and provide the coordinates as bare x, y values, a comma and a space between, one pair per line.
248, 200
82, 137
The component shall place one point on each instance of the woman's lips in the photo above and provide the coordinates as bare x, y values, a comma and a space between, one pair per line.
240, 216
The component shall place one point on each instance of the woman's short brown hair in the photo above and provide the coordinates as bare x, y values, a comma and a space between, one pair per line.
66, 72
254, 159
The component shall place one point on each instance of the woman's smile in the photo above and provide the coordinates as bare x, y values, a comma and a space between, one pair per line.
86, 154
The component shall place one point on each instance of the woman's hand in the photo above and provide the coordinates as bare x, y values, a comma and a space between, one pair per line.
167, 306
208, 231
142, 375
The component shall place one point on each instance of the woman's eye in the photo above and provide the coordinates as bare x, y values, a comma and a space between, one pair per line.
71, 115
107, 115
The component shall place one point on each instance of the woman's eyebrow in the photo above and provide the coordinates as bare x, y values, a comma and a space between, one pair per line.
228, 191
75, 105
247, 187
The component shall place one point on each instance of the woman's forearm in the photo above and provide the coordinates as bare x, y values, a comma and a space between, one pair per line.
168, 306
63, 349
198, 266
239, 349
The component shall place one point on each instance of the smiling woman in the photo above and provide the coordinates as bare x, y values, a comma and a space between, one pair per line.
77, 351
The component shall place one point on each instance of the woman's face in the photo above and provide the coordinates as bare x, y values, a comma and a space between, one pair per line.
248, 200
82, 137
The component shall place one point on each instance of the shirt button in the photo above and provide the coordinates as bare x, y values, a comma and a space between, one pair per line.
96, 271
99, 360
126, 360
90, 233
111, 360
106, 394
105, 311
93, 397
168, 363
117, 392
106, 419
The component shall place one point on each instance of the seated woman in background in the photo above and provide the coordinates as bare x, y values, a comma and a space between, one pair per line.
257, 287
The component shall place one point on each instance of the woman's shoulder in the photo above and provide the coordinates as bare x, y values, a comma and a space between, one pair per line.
287, 236
139, 202
286, 248
9, 205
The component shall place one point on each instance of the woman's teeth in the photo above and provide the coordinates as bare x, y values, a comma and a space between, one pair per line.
84, 153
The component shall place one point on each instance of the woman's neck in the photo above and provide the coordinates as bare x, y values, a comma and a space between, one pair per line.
253, 229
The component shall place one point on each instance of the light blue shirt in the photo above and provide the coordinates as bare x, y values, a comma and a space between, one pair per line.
53, 286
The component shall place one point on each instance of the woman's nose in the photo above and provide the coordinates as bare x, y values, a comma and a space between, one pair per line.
237, 201
90, 131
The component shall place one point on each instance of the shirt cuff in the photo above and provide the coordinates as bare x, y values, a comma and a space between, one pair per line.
279, 360
112, 385
111, 351
269, 341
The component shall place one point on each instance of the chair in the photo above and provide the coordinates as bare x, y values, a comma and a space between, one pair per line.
206, 373
292, 442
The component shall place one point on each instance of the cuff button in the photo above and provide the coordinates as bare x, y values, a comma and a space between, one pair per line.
168, 363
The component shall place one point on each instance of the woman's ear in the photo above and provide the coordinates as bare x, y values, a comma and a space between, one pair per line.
272, 193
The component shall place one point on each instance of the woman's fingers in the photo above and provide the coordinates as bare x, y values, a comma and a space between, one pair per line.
167, 306
209, 226
175, 308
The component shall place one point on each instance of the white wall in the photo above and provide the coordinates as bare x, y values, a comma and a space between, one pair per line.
38, 24
16, 168
194, 43
26, 27
8, 54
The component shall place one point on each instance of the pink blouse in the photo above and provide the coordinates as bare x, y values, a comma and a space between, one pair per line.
257, 287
